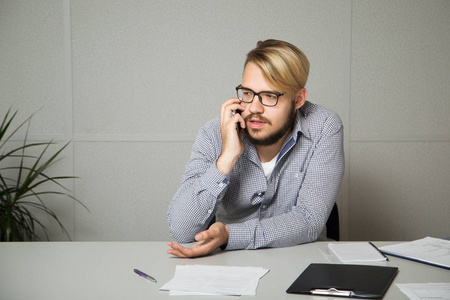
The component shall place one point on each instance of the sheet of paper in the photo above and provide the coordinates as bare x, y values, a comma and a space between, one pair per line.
425, 291
356, 252
215, 280
430, 250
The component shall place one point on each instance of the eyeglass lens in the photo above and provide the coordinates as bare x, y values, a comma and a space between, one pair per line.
266, 98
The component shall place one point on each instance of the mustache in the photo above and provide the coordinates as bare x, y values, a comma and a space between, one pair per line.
258, 117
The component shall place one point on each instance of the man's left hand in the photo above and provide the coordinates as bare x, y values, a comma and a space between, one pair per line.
207, 241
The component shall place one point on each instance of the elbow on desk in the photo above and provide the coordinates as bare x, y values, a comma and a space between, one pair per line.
180, 231
181, 236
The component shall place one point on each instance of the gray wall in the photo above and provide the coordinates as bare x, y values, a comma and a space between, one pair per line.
131, 82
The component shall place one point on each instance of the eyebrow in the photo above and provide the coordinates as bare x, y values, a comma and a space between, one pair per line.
273, 92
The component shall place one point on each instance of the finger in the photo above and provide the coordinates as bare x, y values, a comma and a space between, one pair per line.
230, 106
177, 250
188, 252
198, 249
204, 235
181, 251
175, 253
199, 237
174, 246
238, 119
236, 109
207, 234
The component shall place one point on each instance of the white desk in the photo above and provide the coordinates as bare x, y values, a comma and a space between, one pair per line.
104, 270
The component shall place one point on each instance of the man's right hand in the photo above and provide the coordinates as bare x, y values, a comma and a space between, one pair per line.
232, 146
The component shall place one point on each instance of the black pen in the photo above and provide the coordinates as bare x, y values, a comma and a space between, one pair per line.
387, 259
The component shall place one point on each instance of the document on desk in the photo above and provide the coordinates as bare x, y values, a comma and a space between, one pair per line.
425, 291
356, 252
214, 280
428, 250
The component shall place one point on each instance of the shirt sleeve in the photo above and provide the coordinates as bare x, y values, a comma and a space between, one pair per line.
315, 199
201, 189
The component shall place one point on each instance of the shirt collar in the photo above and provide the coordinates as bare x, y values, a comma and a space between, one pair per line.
300, 125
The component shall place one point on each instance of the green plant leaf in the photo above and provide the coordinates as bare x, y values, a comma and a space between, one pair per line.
31, 180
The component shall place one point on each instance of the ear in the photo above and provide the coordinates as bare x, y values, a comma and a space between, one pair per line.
300, 98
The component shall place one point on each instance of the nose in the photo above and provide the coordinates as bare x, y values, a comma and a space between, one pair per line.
256, 107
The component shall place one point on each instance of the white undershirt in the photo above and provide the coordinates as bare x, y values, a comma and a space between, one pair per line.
269, 166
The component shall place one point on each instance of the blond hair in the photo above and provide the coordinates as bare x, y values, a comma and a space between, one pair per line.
284, 65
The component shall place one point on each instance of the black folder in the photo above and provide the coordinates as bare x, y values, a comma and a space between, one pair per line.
357, 281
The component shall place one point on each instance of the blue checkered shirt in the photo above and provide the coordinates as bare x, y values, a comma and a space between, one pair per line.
290, 207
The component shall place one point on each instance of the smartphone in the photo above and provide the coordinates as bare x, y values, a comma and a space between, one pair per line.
238, 124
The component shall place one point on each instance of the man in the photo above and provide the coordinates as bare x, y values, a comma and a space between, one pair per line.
267, 171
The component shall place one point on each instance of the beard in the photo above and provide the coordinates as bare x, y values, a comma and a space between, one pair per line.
275, 136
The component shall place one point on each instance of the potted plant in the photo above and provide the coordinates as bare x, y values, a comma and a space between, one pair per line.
23, 185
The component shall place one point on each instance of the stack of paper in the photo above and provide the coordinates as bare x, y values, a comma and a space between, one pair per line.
214, 280
425, 291
427, 250
357, 252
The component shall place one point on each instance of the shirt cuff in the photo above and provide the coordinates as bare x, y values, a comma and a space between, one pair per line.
239, 237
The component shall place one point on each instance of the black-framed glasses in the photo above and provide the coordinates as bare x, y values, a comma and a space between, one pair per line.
266, 98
